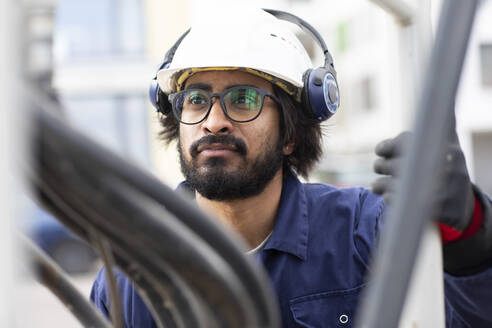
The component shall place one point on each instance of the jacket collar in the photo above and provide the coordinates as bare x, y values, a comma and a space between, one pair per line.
290, 232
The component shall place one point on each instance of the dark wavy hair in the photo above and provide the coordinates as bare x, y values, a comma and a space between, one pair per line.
295, 125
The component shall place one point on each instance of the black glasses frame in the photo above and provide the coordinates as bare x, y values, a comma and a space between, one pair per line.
263, 93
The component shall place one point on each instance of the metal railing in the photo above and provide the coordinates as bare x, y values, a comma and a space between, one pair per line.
416, 195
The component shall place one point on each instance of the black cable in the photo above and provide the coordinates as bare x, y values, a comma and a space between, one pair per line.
74, 220
116, 311
49, 204
106, 163
173, 290
69, 176
196, 263
50, 275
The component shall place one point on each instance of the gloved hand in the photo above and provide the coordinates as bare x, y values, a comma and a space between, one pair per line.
455, 200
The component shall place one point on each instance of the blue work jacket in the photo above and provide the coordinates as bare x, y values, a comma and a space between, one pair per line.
317, 257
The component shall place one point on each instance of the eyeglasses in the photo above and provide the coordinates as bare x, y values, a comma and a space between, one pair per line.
239, 104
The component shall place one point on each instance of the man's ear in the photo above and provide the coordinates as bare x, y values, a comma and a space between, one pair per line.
288, 148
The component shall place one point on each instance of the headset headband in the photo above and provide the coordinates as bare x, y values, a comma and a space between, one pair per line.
306, 27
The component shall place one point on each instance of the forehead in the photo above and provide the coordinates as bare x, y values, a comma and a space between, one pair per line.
220, 80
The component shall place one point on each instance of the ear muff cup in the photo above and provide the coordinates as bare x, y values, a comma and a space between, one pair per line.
159, 99
306, 104
320, 96
163, 104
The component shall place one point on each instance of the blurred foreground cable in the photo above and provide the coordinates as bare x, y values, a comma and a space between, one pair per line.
414, 204
143, 232
174, 292
51, 276
107, 163
116, 311
190, 272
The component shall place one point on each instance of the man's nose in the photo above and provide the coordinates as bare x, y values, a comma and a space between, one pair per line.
216, 121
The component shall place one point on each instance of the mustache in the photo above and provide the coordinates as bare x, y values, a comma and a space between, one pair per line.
238, 144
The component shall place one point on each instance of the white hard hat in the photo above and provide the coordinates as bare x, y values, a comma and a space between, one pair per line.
246, 39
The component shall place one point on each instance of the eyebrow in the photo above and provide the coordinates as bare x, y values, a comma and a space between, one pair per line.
202, 86
208, 87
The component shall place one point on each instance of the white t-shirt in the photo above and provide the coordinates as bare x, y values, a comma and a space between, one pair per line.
258, 248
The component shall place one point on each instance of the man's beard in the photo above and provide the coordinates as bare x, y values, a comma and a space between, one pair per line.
216, 182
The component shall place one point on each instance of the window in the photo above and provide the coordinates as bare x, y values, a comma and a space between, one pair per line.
486, 64
98, 27
103, 33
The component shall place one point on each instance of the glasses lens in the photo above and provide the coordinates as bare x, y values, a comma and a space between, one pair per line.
192, 105
243, 104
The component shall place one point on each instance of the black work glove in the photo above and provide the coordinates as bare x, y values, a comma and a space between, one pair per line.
455, 196
455, 202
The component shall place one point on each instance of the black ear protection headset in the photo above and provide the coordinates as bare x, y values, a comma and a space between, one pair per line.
320, 96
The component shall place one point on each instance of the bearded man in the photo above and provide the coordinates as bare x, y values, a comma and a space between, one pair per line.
242, 99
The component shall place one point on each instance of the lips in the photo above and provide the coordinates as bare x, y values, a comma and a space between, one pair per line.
213, 145
216, 147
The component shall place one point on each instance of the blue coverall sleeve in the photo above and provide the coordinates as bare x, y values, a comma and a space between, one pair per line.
368, 224
468, 300
98, 294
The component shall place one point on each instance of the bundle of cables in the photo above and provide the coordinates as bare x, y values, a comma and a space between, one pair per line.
188, 270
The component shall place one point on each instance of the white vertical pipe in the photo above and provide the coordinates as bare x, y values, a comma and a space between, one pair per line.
399, 9
10, 141
424, 304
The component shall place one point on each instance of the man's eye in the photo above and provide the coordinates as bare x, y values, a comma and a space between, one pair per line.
245, 97
197, 99
239, 100
242, 99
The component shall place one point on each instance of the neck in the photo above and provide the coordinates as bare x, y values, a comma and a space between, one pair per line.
253, 217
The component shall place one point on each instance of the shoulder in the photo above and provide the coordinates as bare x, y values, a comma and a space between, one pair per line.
357, 198
352, 214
